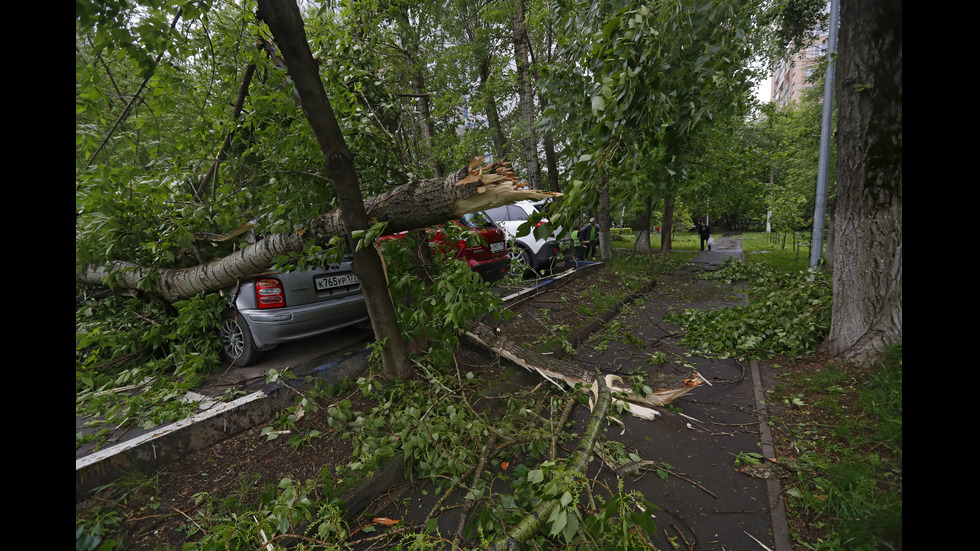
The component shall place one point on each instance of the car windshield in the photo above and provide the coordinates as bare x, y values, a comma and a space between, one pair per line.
476, 220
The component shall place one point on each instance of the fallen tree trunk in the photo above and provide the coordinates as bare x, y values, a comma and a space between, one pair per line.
415, 205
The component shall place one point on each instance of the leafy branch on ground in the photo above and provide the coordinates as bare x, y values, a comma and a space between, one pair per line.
788, 314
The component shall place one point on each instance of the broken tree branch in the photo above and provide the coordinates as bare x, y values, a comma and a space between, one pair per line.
557, 372
530, 523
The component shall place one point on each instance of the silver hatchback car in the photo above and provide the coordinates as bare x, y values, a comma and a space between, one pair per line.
281, 307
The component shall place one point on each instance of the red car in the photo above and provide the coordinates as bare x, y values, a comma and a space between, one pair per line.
490, 259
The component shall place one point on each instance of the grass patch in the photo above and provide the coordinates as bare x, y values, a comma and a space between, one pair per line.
685, 241
777, 250
846, 487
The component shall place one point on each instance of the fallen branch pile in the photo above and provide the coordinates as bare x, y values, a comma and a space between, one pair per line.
559, 372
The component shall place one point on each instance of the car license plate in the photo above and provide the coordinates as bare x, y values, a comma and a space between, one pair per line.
325, 282
496, 247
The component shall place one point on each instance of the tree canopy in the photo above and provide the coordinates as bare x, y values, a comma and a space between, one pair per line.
193, 136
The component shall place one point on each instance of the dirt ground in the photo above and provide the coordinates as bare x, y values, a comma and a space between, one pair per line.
159, 511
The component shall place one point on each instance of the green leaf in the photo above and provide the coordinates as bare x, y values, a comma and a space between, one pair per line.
598, 104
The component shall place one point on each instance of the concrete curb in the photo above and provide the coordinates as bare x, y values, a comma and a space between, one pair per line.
172, 442
777, 508
553, 281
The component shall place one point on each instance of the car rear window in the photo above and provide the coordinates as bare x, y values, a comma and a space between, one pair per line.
507, 212
476, 220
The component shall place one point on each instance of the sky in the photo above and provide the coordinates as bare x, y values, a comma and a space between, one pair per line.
763, 90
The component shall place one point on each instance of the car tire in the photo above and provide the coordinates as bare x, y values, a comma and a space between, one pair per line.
237, 346
520, 256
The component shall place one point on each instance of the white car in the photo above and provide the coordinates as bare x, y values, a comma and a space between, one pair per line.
540, 255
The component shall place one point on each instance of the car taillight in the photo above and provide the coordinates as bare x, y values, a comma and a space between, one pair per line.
269, 293
541, 223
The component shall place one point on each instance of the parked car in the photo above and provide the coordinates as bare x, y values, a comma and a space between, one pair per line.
281, 307
487, 256
539, 255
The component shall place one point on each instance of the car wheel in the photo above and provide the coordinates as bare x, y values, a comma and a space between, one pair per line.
237, 346
522, 258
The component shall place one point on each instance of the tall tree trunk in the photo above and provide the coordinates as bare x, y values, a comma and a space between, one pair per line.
831, 239
642, 227
551, 161
522, 57
867, 310
605, 222
423, 111
667, 228
548, 140
425, 123
501, 148
287, 27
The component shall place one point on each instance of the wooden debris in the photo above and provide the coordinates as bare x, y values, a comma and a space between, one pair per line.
558, 372
499, 187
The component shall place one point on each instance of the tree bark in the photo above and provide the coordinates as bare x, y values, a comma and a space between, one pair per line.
416, 69
500, 146
644, 240
605, 222
548, 139
867, 310
522, 58
642, 228
287, 27
667, 228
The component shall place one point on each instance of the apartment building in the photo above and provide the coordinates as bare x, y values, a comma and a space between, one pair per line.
791, 76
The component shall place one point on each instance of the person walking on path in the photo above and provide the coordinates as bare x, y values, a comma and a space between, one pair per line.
705, 233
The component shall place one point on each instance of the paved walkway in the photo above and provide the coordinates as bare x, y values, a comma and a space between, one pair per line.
725, 247
703, 500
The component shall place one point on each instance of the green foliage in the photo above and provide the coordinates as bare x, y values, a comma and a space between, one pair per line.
794, 148
286, 507
91, 531
729, 179
655, 77
638, 141
748, 458
789, 314
624, 522
134, 357
436, 299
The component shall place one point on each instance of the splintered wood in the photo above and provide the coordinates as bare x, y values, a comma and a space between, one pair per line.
499, 186
558, 372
